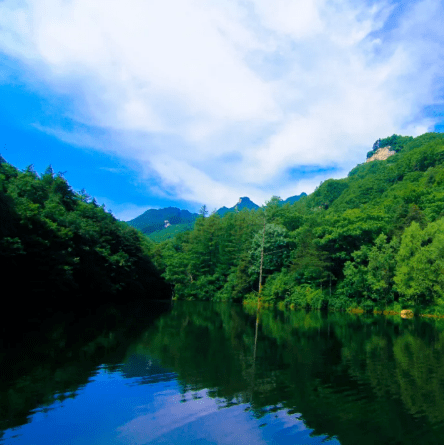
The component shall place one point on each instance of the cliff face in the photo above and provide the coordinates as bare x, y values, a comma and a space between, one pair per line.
381, 154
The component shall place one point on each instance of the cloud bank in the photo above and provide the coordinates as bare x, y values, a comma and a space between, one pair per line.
218, 100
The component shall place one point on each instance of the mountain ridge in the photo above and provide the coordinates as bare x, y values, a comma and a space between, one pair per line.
153, 221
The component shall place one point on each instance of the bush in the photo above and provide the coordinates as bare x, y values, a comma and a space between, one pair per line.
306, 297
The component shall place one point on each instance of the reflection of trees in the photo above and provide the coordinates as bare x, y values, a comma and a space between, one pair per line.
209, 346
376, 379
50, 360
360, 378
421, 386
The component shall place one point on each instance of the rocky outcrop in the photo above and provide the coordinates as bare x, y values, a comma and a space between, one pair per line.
381, 154
243, 203
407, 313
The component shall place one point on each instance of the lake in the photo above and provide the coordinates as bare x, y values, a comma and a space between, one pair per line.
206, 373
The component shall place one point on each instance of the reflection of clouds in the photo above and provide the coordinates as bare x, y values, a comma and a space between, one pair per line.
193, 420
196, 418
174, 415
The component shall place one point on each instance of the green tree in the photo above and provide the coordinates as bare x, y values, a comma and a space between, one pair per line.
276, 249
203, 211
419, 273
381, 269
369, 278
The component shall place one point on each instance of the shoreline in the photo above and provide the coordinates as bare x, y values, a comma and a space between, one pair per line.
404, 313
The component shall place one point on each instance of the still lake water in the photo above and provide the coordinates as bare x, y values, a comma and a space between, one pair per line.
197, 373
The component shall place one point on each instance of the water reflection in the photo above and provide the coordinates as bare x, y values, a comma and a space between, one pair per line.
45, 363
372, 379
192, 375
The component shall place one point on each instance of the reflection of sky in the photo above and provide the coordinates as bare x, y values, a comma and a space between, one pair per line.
202, 421
112, 409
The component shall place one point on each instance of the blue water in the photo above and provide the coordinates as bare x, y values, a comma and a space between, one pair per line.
113, 409
201, 373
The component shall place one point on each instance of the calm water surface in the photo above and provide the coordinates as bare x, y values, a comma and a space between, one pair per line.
200, 373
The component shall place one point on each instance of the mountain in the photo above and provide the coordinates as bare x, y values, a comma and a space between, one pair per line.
154, 220
161, 224
247, 203
243, 203
293, 199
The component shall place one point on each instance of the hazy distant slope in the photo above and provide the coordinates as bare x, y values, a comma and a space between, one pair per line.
293, 199
157, 219
157, 223
246, 203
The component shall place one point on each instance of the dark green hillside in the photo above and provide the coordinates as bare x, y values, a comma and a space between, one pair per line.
154, 220
55, 242
170, 232
373, 240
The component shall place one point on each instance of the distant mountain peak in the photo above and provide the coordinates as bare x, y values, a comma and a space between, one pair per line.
244, 203
154, 220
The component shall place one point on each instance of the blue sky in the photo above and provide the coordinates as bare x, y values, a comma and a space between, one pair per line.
186, 102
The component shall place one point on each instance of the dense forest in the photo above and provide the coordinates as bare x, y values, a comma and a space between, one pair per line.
56, 243
371, 241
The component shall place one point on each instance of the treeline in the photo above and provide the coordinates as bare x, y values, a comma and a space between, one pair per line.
56, 243
394, 143
373, 240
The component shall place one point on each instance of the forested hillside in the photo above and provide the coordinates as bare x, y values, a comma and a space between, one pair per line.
156, 220
56, 243
162, 224
373, 240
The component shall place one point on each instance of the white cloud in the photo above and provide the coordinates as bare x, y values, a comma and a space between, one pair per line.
183, 85
123, 211
294, 18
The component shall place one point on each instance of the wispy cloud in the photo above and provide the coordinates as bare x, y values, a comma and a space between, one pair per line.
220, 99
123, 211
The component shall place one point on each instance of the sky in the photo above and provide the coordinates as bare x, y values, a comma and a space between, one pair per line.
149, 104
